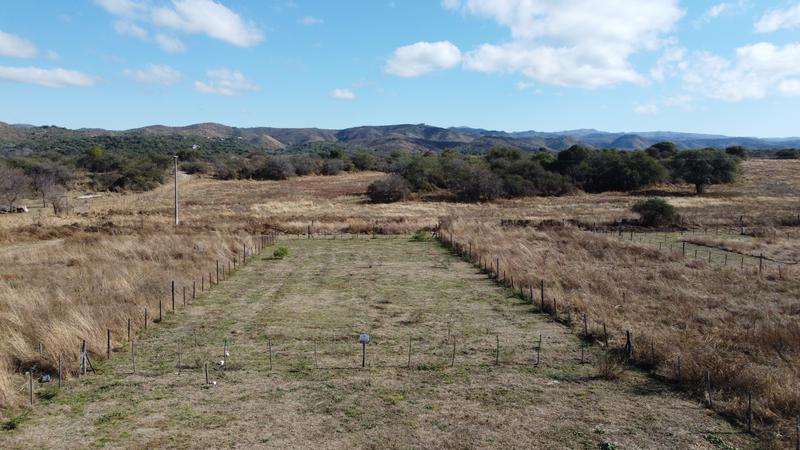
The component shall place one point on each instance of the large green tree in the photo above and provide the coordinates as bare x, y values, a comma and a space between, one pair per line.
705, 167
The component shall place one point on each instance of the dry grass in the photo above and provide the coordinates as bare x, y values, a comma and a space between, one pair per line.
73, 289
740, 328
65, 277
327, 291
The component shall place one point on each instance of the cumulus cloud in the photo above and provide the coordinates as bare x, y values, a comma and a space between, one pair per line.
225, 82
585, 43
154, 74
122, 8
423, 57
207, 17
128, 28
170, 44
54, 78
758, 70
16, 47
210, 18
343, 94
310, 20
777, 19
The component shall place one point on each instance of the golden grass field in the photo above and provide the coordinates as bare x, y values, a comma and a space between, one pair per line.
67, 278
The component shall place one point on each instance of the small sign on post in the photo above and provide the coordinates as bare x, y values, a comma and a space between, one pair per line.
363, 338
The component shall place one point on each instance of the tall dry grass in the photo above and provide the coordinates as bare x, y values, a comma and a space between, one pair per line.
57, 293
689, 320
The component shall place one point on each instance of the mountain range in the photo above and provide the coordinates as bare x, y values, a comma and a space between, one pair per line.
419, 138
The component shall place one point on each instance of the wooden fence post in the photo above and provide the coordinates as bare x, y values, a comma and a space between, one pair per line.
129, 329
108, 343
539, 350
133, 356
542, 289
409, 352
173, 295
30, 385
453, 359
160, 309
205, 369
269, 349
749, 418
194, 290
145, 317
497, 350
628, 345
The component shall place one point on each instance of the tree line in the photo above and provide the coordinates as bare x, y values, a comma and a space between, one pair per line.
507, 172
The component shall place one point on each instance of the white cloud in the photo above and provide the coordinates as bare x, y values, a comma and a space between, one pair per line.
790, 87
122, 8
584, 43
777, 19
170, 44
54, 78
680, 101
646, 109
423, 57
343, 94
757, 71
310, 20
128, 28
154, 74
16, 47
210, 18
667, 63
225, 82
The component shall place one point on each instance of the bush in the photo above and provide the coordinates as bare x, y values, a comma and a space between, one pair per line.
656, 212
422, 236
333, 167
390, 189
306, 165
278, 168
281, 252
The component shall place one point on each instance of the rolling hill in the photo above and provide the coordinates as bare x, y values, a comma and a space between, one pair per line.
406, 138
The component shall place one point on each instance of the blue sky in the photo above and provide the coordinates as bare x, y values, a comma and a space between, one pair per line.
729, 67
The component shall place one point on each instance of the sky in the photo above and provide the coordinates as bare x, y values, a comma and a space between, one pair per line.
727, 67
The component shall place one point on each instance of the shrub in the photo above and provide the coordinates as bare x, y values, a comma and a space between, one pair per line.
281, 252
306, 165
656, 212
278, 168
390, 189
333, 167
422, 236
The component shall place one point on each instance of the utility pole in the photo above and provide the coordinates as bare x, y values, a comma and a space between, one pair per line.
177, 220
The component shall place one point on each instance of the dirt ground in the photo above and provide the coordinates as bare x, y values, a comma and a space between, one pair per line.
307, 311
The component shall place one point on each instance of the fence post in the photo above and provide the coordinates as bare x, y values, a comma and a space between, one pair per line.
194, 290
539, 350
108, 343
205, 368
30, 385
453, 359
269, 349
60, 369
409, 352
129, 329
497, 350
542, 289
133, 356
749, 417
145, 317
760, 263
628, 345
173, 295
160, 309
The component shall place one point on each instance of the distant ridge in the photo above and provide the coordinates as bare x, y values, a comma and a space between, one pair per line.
408, 138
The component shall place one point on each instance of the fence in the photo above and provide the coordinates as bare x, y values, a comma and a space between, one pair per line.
641, 354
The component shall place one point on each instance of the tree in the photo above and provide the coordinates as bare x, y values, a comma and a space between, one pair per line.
737, 151
662, 150
390, 189
13, 184
705, 167
612, 170
656, 212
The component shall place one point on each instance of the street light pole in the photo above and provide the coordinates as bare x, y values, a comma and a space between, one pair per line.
177, 220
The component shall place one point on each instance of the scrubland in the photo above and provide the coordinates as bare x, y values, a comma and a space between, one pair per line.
71, 277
